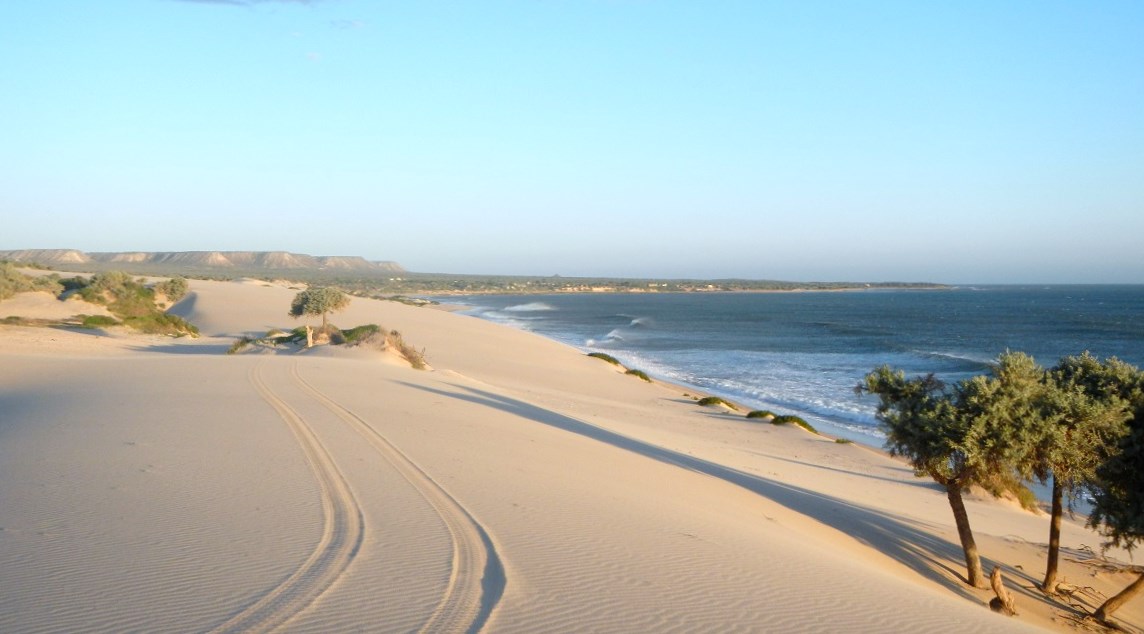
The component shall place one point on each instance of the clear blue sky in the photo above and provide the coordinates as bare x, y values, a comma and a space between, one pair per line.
944, 141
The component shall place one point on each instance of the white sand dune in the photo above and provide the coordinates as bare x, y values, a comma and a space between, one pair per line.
151, 484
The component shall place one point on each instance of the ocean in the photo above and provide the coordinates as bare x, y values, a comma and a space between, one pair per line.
803, 352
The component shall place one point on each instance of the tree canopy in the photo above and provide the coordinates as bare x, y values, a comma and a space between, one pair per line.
318, 301
1085, 419
974, 432
1118, 488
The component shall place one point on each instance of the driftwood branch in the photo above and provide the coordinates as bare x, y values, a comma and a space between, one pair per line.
1003, 603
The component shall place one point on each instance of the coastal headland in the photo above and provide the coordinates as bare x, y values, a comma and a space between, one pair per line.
156, 483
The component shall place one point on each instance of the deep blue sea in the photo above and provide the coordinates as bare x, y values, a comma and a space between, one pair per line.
803, 352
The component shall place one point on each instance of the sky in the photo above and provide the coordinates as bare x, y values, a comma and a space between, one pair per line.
957, 142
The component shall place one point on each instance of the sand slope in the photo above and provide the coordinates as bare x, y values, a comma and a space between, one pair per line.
153, 484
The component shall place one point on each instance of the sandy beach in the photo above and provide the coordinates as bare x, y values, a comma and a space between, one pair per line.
157, 484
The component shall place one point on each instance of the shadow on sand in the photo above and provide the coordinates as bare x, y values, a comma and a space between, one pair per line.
899, 538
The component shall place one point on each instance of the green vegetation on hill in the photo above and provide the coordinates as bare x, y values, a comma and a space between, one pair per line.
13, 281
129, 300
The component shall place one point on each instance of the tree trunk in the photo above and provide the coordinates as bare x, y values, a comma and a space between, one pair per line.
975, 577
323, 322
1115, 602
1049, 586
309, 336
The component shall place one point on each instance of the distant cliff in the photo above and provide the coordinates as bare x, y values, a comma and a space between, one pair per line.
221, 260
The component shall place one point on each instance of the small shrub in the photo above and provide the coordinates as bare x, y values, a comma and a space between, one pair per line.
639, 373
789, 418
415, 357
604, 357
239, 344
410, 301
277, 337
98, 321
161, 324
174, 288
1007, 486
844, 441
357, 335
73, 283
760, 413
711, 401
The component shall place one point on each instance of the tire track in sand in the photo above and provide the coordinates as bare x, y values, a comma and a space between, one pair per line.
342, 532
477, 579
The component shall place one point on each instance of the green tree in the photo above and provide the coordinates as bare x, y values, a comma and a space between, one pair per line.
1085, 419
318, 301
1118, 490
971, 434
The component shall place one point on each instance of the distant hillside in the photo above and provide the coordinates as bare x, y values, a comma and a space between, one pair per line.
222, 261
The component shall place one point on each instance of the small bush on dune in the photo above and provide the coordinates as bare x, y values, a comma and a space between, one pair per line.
604, 357
844, 441
162, 324
359, 334
174, 288
277, 337
98, 321
760, 413
791, 419
415, 357
639, 373
712, 401
239, 344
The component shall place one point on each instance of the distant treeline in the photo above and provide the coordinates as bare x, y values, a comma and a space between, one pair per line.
367, 283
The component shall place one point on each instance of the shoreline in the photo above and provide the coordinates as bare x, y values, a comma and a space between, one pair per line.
846, 289
847, 430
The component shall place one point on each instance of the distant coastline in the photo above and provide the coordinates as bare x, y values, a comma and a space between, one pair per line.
373, 278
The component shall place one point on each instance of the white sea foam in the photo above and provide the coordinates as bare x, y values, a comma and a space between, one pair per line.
977, 359
530, 307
